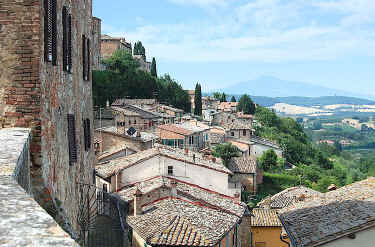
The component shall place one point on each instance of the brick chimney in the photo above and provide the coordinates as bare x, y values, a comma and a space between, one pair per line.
214, 159
173, 188
237, 197
137, 202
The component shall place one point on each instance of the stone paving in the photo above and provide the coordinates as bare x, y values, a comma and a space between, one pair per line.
22, 221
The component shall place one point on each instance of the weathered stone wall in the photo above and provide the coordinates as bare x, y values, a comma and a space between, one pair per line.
112, 140
36, 94
96, 43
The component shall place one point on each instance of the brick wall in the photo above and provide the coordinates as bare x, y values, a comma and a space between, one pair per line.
108, 47
36, 94
96, 42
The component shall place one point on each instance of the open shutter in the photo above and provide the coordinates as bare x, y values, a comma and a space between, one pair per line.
70, 43
84, 56
87, 133
72, 139
88, 60
47, 30
54, 32
65, 38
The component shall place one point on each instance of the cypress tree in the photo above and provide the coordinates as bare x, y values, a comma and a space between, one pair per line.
233, 99
153, 68
223, 98
198, 100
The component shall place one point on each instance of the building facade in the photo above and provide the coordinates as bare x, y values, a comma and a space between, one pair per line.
45, 56
110, 44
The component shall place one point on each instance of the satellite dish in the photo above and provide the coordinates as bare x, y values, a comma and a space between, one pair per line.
131, 131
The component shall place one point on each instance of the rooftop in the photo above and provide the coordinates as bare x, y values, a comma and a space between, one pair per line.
237, 125
265, 217
174, 221
176, 129
144, 136
331, 215
122, 102
134, 110
243, 165
119, 164
264, 141
289, 196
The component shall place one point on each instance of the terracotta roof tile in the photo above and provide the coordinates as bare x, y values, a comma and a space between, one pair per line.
243, 165
265, 217
176, 129
331, 215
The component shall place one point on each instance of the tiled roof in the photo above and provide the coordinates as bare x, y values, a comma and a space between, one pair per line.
241, 146
215, 138
332, 215
119, 164
113, 150
243, 165
122, 102
265, 217
144, 136
170, 108
176, 222
289, 196
244, 116
227, 105
176, 129
125, 111
257, 139
132, 109
193, 126
237, 125
105, 113
185, 190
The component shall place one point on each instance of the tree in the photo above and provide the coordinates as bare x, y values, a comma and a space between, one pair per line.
217, 95
198, 100
233, 99
268, 161
223, 98
139, 49
246, 105
226, 152
153, 68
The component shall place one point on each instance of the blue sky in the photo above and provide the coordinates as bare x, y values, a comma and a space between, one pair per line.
222, 42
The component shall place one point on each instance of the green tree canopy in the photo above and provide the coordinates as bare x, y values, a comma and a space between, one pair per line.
198, 100
233, 99
139, 49
217, 95
268, 160
226, 152
153, 68
246, 105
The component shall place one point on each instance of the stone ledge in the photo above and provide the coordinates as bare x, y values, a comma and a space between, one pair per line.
22, 221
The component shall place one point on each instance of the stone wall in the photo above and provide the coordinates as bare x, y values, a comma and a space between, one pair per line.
109, 46
96, 43
38, 95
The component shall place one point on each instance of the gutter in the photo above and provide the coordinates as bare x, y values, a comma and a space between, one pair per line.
293, 242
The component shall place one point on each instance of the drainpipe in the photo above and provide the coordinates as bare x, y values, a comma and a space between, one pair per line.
281, 238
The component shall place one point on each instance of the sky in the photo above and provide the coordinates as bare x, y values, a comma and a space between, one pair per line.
222, 42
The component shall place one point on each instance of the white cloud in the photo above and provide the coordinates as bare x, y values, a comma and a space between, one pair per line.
264, 31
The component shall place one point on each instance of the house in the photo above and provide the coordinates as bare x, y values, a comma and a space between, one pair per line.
186, 135
342, 217
260, 145
110, 44
208, 114
169, 212
164, 161
245, 173
109, 140
243, 146
143, 64
266, 229
175, 112
46, 85
221, 118
238, 130
210, 102
103, 117
128, 116
228, 106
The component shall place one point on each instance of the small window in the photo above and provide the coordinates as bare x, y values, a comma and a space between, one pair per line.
170, 170
105, 188
87, 133
72, 139
232, 133
244, 132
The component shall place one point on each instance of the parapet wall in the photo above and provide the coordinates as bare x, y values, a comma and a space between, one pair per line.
22, 221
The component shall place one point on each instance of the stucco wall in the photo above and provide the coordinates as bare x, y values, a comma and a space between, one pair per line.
268, 235
206, 178
364, 238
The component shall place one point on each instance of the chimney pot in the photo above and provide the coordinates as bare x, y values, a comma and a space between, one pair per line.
213, 159
137, 202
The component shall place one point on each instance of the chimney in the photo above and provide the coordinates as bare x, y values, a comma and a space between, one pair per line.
173, 188
214, 159
107, 103
237, 196
137, 202
194, 158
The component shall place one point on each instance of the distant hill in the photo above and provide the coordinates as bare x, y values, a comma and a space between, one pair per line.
275, 87
306, 101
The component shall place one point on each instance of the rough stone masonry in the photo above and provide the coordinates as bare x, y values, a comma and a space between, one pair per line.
37, 94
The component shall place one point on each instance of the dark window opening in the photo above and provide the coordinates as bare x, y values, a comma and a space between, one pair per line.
72, 139
244, 132
67, 40
84, 43
170, 170
105, 188
87, 133
232, 133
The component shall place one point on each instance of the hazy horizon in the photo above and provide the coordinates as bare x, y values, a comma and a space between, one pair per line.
222, 42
